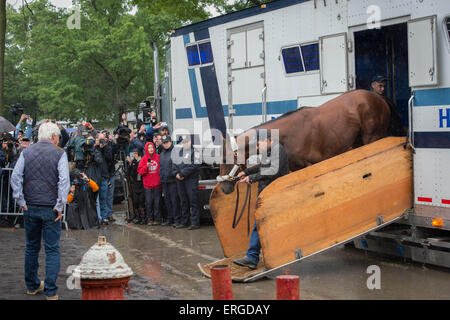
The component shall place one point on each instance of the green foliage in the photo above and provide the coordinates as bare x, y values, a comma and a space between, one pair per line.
100, 69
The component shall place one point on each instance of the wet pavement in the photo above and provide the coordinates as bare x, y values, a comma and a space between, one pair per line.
164, 261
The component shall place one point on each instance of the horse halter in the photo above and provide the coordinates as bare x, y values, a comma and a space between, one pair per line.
231, 176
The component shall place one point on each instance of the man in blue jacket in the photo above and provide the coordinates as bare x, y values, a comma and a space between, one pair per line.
186, 170
169, 183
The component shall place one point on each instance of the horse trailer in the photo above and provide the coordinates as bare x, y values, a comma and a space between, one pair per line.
239, 70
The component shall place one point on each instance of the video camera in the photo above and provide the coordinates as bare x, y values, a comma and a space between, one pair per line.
88, 146
16, 109
124, 135
9, 139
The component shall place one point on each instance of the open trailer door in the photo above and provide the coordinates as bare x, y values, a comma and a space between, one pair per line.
422, 52
333, 64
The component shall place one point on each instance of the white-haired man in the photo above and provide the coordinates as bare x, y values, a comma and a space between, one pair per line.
41, 183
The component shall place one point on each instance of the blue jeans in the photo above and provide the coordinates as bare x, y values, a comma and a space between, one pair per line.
110, 198
39, 222
254, 246
103, 199
97, 206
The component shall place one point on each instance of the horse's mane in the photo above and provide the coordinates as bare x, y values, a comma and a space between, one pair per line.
284, 115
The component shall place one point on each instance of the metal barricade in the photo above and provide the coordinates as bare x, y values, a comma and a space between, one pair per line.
8, 205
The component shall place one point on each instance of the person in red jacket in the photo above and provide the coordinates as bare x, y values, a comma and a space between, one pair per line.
149, 170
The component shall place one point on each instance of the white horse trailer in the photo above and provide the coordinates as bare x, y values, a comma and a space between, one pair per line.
239, 70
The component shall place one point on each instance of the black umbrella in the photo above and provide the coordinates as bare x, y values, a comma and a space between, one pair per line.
6, 126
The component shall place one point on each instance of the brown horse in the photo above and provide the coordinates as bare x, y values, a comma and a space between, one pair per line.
311, 135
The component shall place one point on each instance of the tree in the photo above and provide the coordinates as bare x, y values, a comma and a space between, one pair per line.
2, 49
98, 70
225, 6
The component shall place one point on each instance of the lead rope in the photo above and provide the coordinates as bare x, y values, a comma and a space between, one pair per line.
248, 197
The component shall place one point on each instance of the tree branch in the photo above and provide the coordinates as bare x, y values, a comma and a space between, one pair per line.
125, 86
110, 77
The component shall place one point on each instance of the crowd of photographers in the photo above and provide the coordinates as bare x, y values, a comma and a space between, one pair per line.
162, 192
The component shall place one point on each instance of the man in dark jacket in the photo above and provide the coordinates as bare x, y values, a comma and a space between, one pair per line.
396, 128
137, 187
104, 148
169, 183
186, 171
274, 164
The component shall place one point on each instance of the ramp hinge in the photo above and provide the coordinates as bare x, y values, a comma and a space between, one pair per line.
298, 254
380, 220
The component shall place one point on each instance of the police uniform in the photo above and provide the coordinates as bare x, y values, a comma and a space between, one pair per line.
188, 187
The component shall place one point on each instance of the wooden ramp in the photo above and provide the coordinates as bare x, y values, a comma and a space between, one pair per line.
222, 207
316, 208
238, 273
334, 200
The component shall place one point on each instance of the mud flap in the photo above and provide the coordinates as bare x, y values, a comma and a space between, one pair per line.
335, 200
238, 273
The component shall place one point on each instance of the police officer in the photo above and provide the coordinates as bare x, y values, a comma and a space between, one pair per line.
169, 183
274, 164
186, 171
396, 128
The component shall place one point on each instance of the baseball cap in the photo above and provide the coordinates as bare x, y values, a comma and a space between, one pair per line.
379, 78
166, 139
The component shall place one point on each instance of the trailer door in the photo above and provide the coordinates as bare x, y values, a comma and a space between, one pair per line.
246, 73
422, 58
333, 64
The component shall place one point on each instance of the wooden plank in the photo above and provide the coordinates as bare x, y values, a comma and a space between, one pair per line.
238, 273
334, 200
222, 207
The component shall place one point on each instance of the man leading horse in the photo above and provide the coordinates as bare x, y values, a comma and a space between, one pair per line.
274, 164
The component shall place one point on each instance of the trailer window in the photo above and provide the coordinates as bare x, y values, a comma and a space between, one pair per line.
292, 60
447, 25
301, 58
205, 50
447, 22
192, 54
199, 54
311, 56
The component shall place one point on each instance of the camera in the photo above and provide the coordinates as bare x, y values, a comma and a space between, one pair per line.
124, 135
16, 109
102, 141
9, 140
75, 174
88, 146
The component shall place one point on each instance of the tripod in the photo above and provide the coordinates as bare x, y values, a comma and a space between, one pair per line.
122, 170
